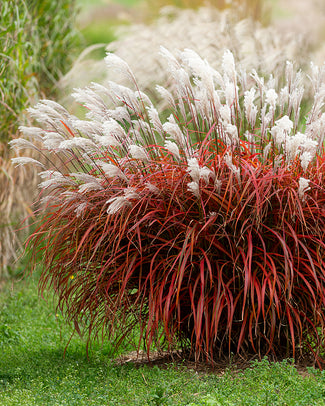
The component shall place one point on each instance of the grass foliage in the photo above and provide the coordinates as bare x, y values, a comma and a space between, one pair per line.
206, 230
36, 41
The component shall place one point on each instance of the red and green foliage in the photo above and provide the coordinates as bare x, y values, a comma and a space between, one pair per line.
242, 269
216, 248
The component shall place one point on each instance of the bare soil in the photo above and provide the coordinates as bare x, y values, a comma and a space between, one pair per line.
236, 364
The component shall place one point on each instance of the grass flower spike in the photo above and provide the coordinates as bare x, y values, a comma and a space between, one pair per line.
202, 222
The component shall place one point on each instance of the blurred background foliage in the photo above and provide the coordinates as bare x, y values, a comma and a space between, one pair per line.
38, 40
38, 43
99, 19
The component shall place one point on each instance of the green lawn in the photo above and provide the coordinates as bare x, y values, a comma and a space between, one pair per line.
34, 370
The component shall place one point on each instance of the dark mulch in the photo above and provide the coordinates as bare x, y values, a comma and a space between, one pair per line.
236, 363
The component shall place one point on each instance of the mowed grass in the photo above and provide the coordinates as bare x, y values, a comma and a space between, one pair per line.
35, 371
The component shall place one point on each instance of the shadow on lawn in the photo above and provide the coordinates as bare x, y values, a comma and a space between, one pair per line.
32, 364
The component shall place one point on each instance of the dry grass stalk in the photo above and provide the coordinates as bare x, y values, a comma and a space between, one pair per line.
18, 189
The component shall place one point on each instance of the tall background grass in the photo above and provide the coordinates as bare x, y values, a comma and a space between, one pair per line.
38, 40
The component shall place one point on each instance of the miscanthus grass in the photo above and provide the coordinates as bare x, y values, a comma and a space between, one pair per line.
203, 223
207, 30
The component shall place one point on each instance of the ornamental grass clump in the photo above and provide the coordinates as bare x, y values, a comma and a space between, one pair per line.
203, 224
